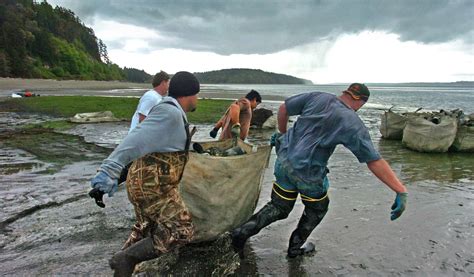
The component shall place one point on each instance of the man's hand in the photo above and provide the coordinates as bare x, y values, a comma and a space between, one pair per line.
213, 133
274, 138
399, 205
98, 196
235, 131
104, 183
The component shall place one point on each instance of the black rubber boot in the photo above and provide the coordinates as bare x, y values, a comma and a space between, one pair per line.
313, 213
297, 248
274, 210
123, 263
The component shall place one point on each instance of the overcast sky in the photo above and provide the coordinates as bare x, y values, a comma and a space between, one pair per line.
325, 41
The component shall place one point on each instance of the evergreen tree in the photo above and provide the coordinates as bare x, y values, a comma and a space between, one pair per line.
37, 40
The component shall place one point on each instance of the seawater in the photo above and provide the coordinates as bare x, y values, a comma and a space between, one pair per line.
439, 169
70, 235
429, 96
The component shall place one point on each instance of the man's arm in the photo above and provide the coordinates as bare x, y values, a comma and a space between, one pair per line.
139, 142
221, 121
218, 124
234, 113
282, 119
382, 170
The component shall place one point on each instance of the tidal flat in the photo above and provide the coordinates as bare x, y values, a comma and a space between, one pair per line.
49, 226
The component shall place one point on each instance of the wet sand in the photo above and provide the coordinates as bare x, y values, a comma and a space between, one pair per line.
102, 88
40, 85
48, 226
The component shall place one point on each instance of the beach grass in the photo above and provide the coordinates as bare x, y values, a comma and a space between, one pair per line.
208, 111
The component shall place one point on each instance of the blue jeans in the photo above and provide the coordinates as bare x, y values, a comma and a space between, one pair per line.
290, 182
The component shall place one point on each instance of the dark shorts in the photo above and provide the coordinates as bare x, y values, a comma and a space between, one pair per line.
290, 183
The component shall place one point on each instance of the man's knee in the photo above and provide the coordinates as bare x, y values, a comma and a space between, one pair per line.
316, 207
283, 200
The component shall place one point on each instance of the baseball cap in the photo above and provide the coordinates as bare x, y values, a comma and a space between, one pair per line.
358, 91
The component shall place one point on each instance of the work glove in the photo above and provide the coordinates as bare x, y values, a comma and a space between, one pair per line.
198, 147
213, 133
399, 205
98, 196
274, 138
235, 131
104, 183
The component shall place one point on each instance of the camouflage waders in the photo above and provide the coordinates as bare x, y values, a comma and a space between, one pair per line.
152, 187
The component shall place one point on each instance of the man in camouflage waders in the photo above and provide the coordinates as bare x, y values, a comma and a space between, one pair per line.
158, 148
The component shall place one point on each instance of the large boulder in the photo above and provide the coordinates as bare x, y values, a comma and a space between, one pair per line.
259, 116
271, 122
95, 117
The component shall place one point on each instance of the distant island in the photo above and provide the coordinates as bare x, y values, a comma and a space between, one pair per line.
247, 76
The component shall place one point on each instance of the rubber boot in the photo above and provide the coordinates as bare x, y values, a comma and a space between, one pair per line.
313, 213
123, 263
297, 248
274, 210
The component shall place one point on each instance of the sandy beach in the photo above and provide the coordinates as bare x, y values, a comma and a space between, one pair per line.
50, 84
47, 87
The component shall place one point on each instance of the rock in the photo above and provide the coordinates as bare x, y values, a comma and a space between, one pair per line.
271, 122
259, 116
95, 117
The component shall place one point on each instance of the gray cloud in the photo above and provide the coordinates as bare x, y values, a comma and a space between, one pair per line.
259, 27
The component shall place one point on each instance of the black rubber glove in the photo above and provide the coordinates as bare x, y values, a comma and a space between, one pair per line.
97, 194
213, 133
274, 138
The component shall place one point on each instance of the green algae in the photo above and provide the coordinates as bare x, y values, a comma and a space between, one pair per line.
52, 148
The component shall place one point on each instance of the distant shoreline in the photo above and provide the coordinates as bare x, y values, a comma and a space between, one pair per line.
51, 84
8, 84
49, 87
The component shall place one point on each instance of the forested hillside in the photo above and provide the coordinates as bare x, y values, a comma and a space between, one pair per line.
137, 76
247, 76
39, 41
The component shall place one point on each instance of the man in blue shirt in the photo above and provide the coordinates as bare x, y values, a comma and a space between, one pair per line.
324, 122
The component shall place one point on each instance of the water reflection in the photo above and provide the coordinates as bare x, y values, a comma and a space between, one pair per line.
248, 265
260, 136
35, 149
295, 266
445, 168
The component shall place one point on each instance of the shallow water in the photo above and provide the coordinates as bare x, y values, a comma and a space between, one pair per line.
430, 96
49, 226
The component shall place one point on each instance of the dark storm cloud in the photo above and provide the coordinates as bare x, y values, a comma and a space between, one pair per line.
237, 26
